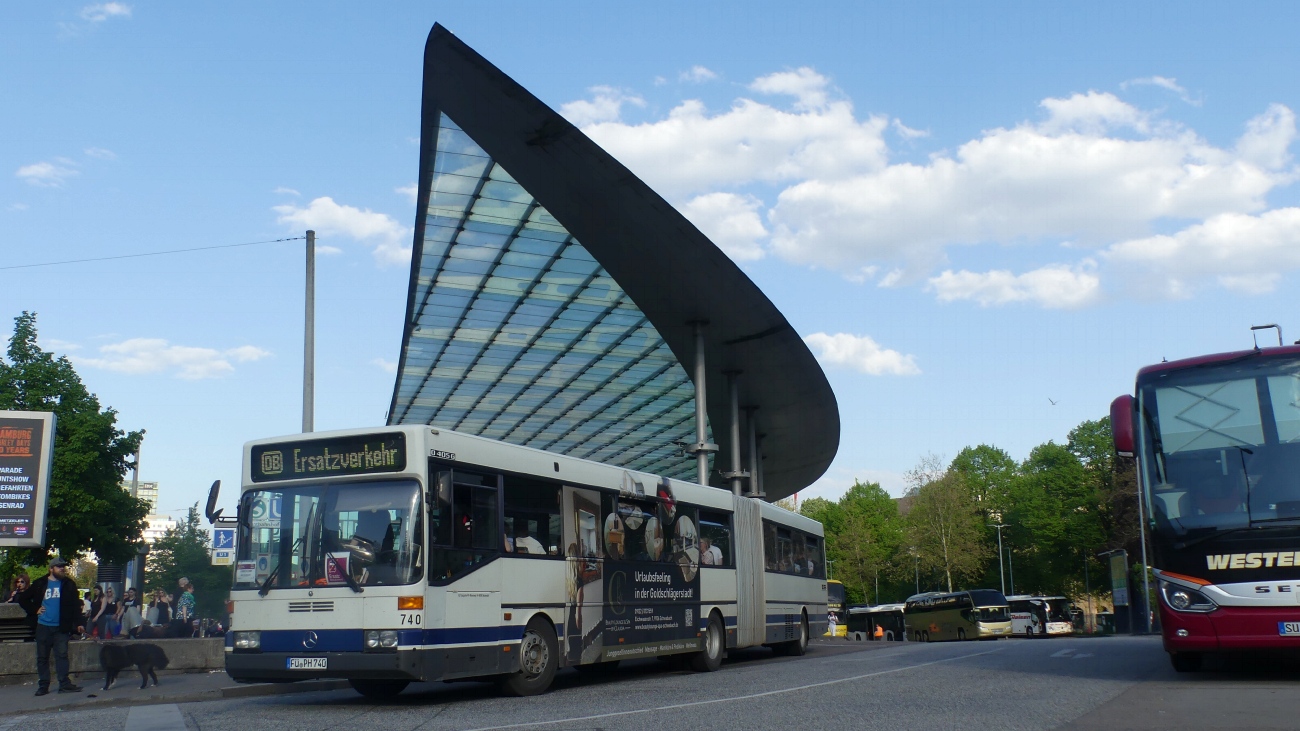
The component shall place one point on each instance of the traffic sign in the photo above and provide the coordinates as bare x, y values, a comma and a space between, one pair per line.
223, 538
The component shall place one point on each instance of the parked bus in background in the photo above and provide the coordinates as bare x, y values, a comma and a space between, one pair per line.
1217, 441
836, 606
884, 622
977, 614
391, 555
1040, 615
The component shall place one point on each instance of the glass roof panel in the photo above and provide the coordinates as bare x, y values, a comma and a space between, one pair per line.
520, 335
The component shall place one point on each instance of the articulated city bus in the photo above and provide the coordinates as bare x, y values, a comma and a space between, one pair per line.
978, 614
836, 604
399, 554
1040, 616
1217, 440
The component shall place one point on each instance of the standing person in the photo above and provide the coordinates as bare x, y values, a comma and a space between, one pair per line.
128, 613
160, 609
21, 584
55, 603
103, 619
184, 612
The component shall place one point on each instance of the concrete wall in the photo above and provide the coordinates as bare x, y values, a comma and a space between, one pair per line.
18, 659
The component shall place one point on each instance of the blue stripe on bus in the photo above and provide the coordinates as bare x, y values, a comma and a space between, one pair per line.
327, 640
472, 635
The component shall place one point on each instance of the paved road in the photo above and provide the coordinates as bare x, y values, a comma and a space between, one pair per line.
1096, 683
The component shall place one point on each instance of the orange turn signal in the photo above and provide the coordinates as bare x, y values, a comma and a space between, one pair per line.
1185, 577
410, 602
230, 606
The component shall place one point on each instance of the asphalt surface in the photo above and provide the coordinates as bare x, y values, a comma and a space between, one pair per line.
1110, 683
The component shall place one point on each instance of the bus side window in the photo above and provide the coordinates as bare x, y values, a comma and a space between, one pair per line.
769, 546
784, 551
532, 517
816, 564
715, 539
464, 521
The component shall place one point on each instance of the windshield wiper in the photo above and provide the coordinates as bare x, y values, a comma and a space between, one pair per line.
347, 575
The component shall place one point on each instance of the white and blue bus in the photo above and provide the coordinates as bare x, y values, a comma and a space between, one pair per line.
400, 554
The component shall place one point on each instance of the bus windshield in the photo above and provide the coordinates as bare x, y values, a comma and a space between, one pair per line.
1217, 440
324, 535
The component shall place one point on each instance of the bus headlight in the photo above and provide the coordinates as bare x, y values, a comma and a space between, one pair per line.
385, 639
1184, 599
248, 640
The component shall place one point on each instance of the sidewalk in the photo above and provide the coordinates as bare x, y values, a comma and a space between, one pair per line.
177, 688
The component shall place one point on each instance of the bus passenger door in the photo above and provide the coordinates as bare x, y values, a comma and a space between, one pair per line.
584, 538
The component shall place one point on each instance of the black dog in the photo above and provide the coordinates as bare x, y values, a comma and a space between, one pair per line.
144, 655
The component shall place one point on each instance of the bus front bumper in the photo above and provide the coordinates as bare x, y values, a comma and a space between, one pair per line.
273, 667
1228, 628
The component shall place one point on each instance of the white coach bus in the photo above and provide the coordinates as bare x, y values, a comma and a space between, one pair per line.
400, 554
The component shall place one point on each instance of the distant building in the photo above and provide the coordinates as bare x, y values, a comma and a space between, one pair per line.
157, 524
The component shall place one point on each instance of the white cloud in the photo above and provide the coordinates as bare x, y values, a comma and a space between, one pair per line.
605, 105
103, 11
327, 250
286, 191
100, 153
804, 84
1070, 177
16, 207
1163, 82
697, 74
144, 356
54, 344
906, 132
329, 218
731, 221
1053, 286
1240, 252
861, 353
410, 191
48, 174
387, 366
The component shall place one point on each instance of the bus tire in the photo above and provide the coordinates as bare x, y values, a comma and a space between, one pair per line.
961, 634
1029, 633
1186, 662
539, 656
379, 690
925, 636
796, 648
710, 658
889, 635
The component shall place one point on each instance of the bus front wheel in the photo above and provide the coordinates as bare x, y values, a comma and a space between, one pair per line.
379, 690
961, 635
1185, 662
538, 659
710, 658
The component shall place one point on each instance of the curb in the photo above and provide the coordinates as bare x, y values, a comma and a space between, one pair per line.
236, 691
302, 686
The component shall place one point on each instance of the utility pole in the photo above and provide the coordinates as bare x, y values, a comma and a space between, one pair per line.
1011, 570
1087, 590
1002, 574
309, 340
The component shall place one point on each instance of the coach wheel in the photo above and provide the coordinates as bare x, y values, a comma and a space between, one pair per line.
925, 636
538, 659
379, 690
961, 635
1029, 632
889, 635
1186, 662
710, 658
795, 648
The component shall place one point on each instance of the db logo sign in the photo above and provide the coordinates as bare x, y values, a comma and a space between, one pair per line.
272, 463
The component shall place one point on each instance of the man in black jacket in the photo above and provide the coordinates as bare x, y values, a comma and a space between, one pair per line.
54, 602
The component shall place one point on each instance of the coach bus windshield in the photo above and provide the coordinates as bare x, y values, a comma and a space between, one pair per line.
1219, 445
358, 534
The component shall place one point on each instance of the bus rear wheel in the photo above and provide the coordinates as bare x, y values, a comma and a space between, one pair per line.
539, 656
925, 636
710, 658
961, 635
797, 647
379, 690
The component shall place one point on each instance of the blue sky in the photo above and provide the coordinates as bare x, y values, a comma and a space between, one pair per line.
967, 210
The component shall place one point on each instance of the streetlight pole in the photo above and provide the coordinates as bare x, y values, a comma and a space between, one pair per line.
1011, 570
1002, 574
1087, 590
916, 560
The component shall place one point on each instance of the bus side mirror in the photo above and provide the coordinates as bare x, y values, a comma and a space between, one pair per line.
213, 512
1121, 425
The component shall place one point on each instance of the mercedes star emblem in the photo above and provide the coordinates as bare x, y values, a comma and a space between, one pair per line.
309, 640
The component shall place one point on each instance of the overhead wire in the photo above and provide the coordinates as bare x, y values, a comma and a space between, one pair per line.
150, 253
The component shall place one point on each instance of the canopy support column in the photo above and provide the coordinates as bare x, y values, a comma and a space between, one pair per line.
702, 447
737, 473
750, 422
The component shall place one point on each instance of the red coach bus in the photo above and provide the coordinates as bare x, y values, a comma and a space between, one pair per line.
1217, 441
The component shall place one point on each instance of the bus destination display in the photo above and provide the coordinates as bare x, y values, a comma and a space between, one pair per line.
354, 455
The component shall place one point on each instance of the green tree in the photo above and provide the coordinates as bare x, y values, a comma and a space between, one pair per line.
870, 534
989, 473
88, 510
945, 525
183, 552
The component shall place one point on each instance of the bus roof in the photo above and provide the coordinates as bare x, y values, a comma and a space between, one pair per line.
1213, 358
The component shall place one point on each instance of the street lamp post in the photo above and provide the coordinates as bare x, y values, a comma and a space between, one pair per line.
1002, 574
916, 560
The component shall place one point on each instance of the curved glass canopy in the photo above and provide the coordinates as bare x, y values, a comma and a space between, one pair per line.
516, 333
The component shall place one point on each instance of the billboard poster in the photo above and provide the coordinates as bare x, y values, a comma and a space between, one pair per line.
26, 460
1119, 577
634, 585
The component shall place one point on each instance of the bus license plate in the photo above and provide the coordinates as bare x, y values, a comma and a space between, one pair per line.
1288, 629
319, 663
